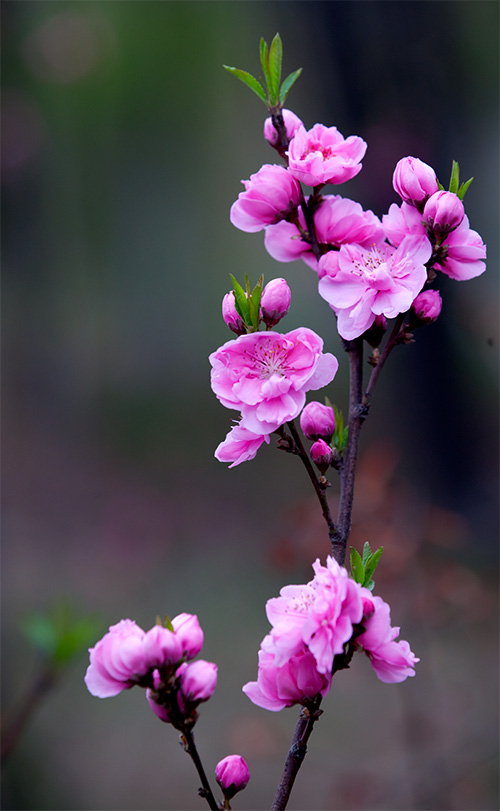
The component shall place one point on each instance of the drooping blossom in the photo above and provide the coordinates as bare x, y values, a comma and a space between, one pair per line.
291, 121
230, 314
337, 221
275, 302
426, 308
322, 155
293, 682
240, 445
391, 659
462, 252
269, 196
443, 212
232, 775
266, 375
317, 421
361, 284
414, 181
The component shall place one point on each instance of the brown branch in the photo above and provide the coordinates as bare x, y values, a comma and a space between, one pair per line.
297, 752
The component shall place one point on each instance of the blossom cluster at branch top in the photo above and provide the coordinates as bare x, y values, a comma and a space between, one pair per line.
312, 624
367, 268
159, 660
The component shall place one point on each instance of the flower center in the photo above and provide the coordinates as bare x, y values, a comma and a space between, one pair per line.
271, 359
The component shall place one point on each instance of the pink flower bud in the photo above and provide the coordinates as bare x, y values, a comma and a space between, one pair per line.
414, 181
188, 632
161, 647
232, 775
318, 421
275, 301
444, 212
322, 455
426, 307
292, 123
198, 680
270, 195
231, 315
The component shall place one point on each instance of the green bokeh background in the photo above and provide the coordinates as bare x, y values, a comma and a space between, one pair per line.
123, 146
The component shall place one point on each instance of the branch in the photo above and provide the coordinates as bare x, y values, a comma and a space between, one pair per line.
187, 741
297, 752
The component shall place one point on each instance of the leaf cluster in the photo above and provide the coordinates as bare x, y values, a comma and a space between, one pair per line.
363, 568
455, 186
247, 302
58, 635
271, 58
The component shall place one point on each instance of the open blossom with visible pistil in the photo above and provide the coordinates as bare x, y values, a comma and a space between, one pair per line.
462, 251
291, 121
266, 375
360, 284
240, 445
322, 155
337, 221
269, 196
414, 181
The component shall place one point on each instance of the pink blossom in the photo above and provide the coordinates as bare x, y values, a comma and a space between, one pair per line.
317, 421
414, 181
232, 775
360, 284
392, 660
443, 211
337, 221
292, 123
322, 455
197, 680
322, 155
402, 221
266, 375
189, 633
117, 661
240, 445
275, 301
292, 683
161, 647
426, 307
230, 314
269, 196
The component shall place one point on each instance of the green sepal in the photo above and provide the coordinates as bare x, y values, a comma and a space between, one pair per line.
357, 568
275, 59
440, 186
254, 303
250, 81
463, 188
287, 84
454, 177
168, 623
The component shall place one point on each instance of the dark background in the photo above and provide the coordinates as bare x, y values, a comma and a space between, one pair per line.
124, 143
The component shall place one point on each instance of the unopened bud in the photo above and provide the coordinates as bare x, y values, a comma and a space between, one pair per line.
275, 301
292, 123
426, 308
322, 455
189, 633
232, 775
317, 421
230, 314
444, 212
197, 680
414, 181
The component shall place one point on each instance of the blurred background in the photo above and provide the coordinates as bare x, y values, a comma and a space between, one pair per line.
123, 144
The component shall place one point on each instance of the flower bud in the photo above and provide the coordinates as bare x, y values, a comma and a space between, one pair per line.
322, 455
231, 315
189, 633
426, 308
317, 421
414, 181
198, 680
444, 212
292, 123
232, 775
275, 302
161, 647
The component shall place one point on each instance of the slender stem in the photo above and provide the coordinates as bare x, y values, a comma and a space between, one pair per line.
357, 414
298, 749
318, 486
187, 739
41, 685
391, 343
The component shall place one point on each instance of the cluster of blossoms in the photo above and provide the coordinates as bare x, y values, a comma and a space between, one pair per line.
331, 616
266, 375
368, 270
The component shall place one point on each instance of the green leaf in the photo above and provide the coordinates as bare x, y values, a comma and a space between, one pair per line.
367, 553
264, 61
463, 188
440, 186
241, 301
275, 60
254, 303
357, 568
40, 631
371, 565
250, 81
454, 178
168, 623
287, 84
